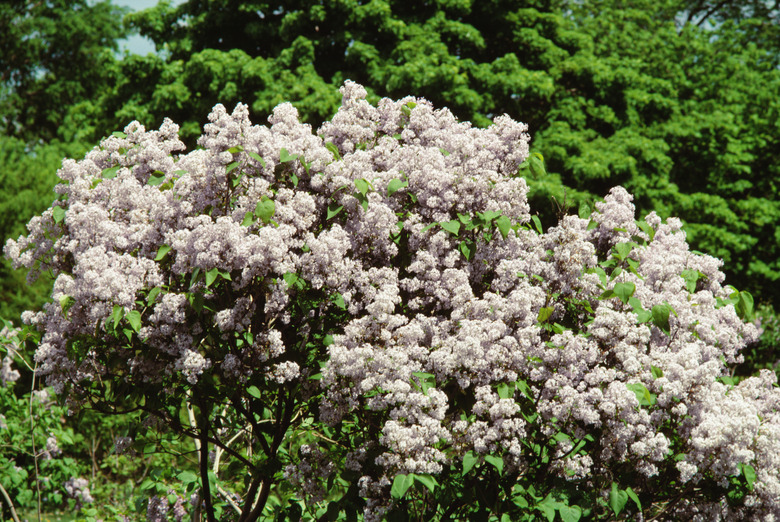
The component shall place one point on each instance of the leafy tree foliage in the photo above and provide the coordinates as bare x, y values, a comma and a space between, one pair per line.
54, 54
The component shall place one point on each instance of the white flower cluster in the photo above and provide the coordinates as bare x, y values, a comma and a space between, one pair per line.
456, 315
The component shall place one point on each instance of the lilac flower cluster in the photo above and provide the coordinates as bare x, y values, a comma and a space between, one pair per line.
417, 228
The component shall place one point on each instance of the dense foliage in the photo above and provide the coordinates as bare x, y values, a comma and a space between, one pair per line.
368, 321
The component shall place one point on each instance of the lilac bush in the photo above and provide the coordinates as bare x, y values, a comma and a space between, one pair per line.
369, 320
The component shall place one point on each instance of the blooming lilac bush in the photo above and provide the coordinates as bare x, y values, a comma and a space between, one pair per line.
369, 320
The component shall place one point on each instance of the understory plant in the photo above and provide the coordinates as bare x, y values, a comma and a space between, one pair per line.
369, 322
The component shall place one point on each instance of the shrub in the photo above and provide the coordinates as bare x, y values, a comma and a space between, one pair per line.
369, 319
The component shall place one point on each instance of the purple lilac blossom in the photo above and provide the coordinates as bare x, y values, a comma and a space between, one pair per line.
402, 169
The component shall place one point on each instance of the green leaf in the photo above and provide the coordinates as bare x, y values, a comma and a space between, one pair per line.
286, 157
156, 178
58, 213
744, 306
623, 250
505, 391
617, 499
117, 315
249, 219
451, 226
153, 293
496, 462
633, 496
428, 227
504, 225
254, 391
537, 223
749, 472
656, 372
265, 209
236, 149
111, 172
395, 185
624, 291
231, 167
362, 185
333, 150
187, 477
211, 276
469, 460
489, 215
570, 513
333, 210
536, 163
544, 314
660, 314
401, 484
643, 315
255, 156
547, 506
643, 395
691, 277
134, 319
162, 252
118, 134
468, 249
428, 481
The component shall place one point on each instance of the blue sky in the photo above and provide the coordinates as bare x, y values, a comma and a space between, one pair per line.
137, 44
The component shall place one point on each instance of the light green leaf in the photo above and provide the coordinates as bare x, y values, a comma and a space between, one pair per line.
617, 499
231, 167
187, 477
156, 178
451, 226
161, 252
428, 481
254, 391
286, 157
117, 315
236, 149
118, 134
660, 314
536, 163
468, 249
333, 150
362, 185
469, 460
255, 156
749, 473
58, 213
401, 484
744, 306
211, 276
249, 219
504, 225
496, 462
624, 291
134, 319
265, 209
395, 185
570, 513
643, 395
333, 210
691, 277
153, 293
111, 173
544, 314
633, 496
537, 223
